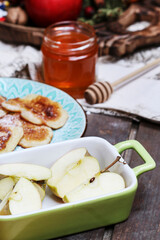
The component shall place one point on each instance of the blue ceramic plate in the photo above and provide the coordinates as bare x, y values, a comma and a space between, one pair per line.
74, 127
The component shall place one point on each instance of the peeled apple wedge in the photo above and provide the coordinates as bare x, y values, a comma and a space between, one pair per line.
71, 170
29, 171
40, 189
24, 197
5, 210
4, 205
6, 185
102, 183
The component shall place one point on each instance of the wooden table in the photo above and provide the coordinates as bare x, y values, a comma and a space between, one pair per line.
144, 220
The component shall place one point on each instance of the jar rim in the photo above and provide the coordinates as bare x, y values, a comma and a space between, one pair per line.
64, 24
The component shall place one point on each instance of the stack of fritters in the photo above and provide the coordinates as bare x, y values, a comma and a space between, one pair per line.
28, 121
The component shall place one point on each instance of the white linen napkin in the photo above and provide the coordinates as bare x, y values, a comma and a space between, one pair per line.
139, 97
13, 59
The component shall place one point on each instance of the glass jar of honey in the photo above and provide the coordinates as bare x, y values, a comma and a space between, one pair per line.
69, 52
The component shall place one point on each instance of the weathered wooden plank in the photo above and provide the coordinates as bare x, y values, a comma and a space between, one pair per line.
133, 133
108, 233
144, 220
113, 129
96, 234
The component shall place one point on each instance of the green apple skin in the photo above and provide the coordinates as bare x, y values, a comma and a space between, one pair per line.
29, 171
24, 198
6, 185
71, 170
102, 183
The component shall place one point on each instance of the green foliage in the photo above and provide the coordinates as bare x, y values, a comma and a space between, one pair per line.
111, 10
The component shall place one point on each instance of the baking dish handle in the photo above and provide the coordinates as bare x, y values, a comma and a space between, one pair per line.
133, 144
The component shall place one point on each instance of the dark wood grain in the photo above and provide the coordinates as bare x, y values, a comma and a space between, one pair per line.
18, 34
144, 220
96, 234
113, 129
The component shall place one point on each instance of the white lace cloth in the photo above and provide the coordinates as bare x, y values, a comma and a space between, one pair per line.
140, 97
14, 59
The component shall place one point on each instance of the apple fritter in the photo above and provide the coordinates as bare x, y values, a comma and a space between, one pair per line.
12, 105
35, 135
9, 137
11, 119
3, 112
39, 110
11, 132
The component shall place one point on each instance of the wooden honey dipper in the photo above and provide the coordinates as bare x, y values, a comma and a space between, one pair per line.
100, 91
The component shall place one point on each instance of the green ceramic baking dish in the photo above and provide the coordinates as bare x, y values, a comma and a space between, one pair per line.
59, 219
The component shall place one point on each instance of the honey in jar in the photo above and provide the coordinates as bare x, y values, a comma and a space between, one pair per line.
69, 52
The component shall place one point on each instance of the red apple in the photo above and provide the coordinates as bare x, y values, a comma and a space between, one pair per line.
46, 12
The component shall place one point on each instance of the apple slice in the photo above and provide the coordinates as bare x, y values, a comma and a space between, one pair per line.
6, 185
71, 170
29, 171
40, 189
4, 207
102, 183
24, 197
5, 210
